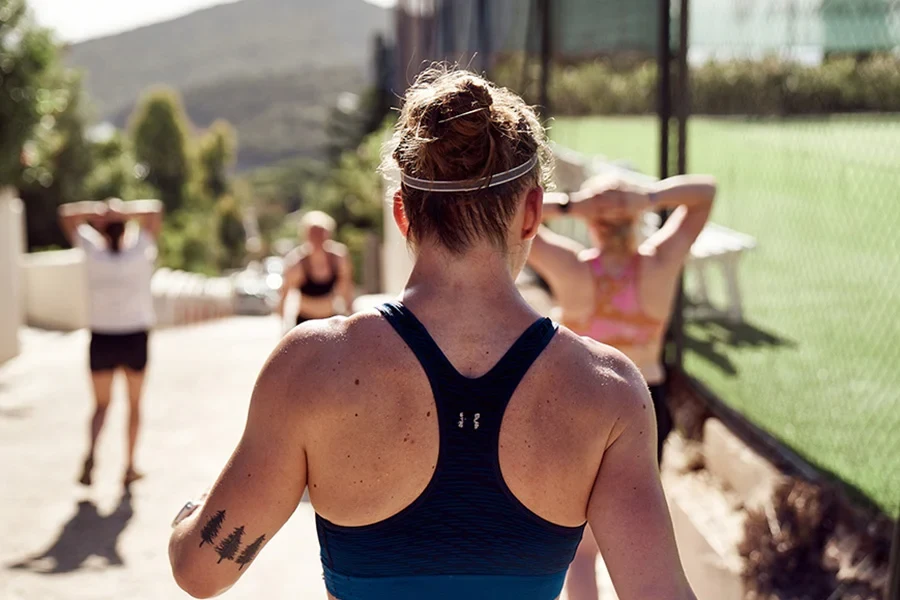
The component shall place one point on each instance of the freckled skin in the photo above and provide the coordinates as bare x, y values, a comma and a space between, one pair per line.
571, 443
551, 445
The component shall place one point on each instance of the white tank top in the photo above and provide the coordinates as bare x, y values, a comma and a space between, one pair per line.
119, 283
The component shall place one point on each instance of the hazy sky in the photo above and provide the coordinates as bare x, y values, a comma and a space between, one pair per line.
76, 20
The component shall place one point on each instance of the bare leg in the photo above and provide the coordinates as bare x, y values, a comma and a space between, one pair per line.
581, 583
102, 381
135, 387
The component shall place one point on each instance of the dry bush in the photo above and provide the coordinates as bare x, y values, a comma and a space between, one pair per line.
809, 543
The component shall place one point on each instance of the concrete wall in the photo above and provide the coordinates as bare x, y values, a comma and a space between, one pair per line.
12, 241
55, 290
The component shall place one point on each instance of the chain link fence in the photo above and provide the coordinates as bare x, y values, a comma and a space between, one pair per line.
796, 111
795, 108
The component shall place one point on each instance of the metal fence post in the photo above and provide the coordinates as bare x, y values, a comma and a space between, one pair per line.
682, 108
664, 112
893, 591
544, 12
664, 85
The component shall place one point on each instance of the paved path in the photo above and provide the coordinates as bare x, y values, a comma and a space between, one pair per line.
59, 540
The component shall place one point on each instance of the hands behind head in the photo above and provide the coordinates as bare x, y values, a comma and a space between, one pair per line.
96, 216
611, 199
115, 210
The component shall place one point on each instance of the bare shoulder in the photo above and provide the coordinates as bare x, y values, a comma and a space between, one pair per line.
606, 380
310, 360
294, 257
336, 248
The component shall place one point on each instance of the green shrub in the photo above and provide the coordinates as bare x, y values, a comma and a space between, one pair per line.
771, 86
188, 242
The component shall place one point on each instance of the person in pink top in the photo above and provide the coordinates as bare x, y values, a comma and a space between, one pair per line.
621, 291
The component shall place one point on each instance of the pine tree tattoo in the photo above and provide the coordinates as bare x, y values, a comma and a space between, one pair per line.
229, 546
249, 552
211, 530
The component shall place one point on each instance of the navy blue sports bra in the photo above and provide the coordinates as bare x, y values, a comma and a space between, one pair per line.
466, 536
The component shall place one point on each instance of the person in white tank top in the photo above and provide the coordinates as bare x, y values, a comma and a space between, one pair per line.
119, 244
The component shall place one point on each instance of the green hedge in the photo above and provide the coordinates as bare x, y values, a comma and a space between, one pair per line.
741, 87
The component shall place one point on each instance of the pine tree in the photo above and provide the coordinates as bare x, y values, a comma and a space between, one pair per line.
249, 552
229, 546
211, 530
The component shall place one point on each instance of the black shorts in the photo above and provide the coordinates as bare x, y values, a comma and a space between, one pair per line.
112, 350
663, 416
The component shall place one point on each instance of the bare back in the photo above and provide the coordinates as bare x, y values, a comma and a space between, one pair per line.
343, 409
574, 287
375, 395
577, 442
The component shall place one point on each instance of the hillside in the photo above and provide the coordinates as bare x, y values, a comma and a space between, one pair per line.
272, 67
277, 115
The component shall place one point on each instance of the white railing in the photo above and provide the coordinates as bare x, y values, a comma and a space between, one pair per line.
180, 298
55, 293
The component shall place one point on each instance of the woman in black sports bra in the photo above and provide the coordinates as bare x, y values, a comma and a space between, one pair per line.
320, 271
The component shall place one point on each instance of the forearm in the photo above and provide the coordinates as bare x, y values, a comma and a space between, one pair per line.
282, 300
690, 191
142, 208
559, 204
86, 208
192, 575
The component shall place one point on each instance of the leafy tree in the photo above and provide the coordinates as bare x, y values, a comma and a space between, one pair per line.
116, 173
160, 133
57, 159
188, 242
217, 153
231, 233
28, 59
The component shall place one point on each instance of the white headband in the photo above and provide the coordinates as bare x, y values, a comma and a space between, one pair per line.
469, 185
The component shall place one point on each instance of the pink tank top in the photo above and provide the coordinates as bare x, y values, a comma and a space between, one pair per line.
618, 319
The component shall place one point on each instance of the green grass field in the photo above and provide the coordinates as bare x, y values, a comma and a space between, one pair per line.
818, 362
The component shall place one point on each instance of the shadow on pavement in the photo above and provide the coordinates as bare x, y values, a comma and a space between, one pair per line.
85, 535
14, 412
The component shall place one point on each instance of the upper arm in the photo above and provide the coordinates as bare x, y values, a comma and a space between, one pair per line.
345, 269
673, 241
86, 237
70, 224
293, 277
152, 223
628, 512
555, 258
258, 489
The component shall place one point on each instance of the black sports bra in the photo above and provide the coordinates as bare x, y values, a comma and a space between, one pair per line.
318, 289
